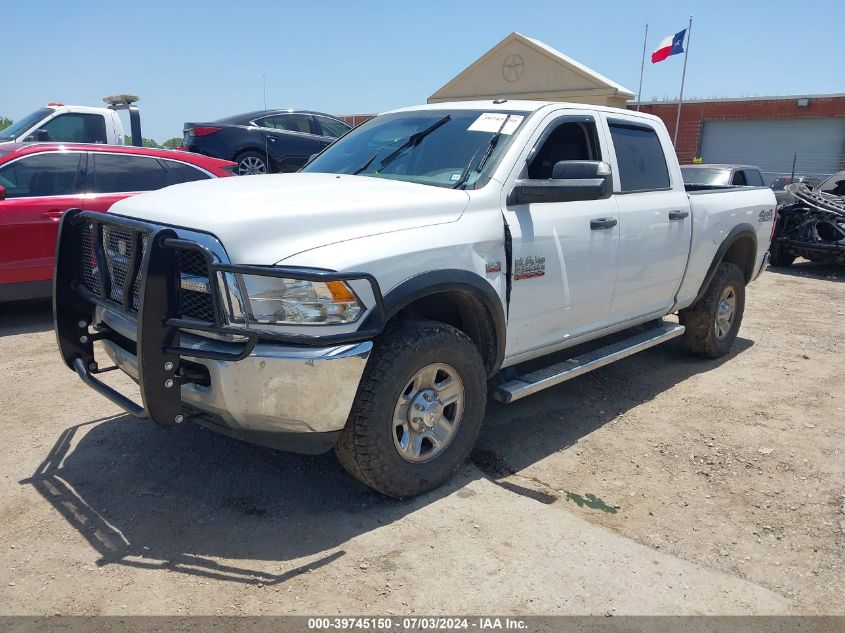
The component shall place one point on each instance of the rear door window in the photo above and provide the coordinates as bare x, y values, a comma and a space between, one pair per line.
753, 177
123, 173
639, 156
289, 122
47, 174
330, 127
180, 172
739, 179
76, 127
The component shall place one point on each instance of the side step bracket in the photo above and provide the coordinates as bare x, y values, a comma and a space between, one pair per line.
552, 375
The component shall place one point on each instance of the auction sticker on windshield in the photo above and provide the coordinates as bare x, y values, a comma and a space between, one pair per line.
492, 121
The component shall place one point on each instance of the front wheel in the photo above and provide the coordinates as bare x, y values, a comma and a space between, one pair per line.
418, 412
713, 321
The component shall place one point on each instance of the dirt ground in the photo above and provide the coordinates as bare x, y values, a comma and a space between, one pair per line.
660, 485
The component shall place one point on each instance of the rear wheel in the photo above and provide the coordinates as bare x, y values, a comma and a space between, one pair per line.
250, 163
418, 412
713, 321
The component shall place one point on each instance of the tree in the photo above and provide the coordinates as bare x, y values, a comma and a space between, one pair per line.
145, 142
5, 122
172, 143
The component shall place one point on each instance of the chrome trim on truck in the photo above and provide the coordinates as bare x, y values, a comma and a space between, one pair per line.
276, 388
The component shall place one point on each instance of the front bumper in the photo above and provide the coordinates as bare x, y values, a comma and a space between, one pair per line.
119, 281
276, 389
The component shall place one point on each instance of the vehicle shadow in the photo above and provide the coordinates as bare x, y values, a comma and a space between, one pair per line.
26, 317
177, 499
517, 435
182, 499
815, 270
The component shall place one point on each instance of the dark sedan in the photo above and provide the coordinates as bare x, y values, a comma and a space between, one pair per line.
264, 141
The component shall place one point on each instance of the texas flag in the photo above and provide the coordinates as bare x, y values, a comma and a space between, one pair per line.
669, 46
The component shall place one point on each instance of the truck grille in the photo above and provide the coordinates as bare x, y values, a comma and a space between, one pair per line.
119, 244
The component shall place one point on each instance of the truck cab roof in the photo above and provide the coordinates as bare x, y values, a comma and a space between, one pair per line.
526, 105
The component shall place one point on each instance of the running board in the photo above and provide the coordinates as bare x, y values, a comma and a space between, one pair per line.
540, 379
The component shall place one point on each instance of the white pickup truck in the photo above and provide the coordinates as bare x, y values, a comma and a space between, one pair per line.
59, 123
368, 302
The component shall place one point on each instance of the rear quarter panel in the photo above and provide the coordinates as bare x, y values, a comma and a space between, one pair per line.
715, 214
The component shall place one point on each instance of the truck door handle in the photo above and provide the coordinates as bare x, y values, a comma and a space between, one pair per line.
678, 215
272, 139
596, 224
52, 214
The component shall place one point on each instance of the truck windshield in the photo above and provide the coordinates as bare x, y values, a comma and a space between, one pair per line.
22, 125
443, 148
706, 176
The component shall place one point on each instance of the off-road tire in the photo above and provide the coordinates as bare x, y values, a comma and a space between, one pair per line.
700, 318
366, 447
780, 259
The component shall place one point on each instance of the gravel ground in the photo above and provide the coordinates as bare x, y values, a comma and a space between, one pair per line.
662, 484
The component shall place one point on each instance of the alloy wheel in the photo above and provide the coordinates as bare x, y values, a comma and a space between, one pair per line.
725, 312
251, 165
428, 413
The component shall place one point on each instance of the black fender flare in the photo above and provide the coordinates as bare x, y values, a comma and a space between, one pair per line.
451, 280
739, 231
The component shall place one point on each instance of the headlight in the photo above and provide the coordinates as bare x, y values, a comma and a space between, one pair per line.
277, 300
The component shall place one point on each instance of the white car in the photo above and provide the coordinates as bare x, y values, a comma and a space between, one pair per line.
367, 302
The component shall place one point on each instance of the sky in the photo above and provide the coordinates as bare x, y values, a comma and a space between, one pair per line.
195, 60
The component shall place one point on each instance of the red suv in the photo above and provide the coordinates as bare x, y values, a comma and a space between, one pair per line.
39, 181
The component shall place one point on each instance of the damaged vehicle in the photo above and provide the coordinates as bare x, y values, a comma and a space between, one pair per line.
813, 227
367, 303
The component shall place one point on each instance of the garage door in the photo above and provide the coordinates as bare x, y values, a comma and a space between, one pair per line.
771, 145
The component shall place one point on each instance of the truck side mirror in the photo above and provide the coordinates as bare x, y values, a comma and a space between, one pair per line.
2, 192
572, 180
41, 136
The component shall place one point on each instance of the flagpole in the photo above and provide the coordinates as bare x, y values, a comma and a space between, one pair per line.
683, 76
642, 67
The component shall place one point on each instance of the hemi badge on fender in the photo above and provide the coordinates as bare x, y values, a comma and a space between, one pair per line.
493, 267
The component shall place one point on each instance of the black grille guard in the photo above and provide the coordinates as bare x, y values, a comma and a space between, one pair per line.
158, 320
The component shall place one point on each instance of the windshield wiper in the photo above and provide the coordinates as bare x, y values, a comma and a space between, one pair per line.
414, 140
369, 161
491, 145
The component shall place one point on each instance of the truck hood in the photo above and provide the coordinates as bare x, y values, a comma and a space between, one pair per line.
263, 219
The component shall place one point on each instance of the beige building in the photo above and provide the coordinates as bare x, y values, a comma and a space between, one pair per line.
520, 67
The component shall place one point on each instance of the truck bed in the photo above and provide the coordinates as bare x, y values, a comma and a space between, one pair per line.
715, 212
